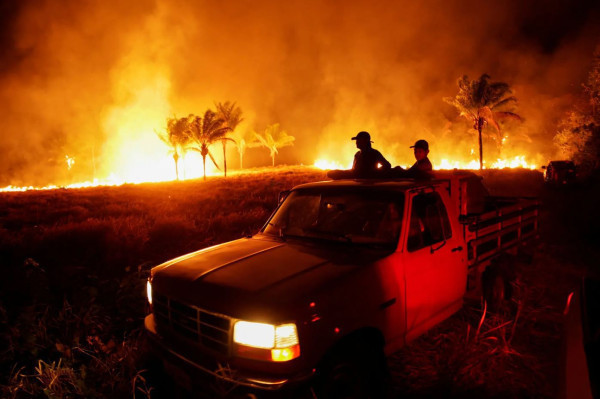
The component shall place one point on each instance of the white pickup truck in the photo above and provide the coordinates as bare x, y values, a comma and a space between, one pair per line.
343, 273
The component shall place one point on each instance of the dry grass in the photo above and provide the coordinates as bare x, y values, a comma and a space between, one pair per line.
74, 265
516, 354
479, 354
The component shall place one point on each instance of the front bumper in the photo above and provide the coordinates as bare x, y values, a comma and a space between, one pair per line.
176, 351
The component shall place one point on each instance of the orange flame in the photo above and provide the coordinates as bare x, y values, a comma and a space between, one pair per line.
518, 161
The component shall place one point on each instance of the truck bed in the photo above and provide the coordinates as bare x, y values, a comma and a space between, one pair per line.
506, 223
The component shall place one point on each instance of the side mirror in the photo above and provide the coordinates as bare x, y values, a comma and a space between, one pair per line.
432, 249
282, 196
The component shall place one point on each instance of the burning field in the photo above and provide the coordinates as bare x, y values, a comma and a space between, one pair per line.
75, 264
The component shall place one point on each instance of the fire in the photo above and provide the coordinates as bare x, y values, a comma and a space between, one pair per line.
149, 161
148, 170
328, 164
518, 161
191, 168
133, 152
447, 164
70, 161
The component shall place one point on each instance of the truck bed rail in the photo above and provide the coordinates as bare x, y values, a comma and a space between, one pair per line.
514, 221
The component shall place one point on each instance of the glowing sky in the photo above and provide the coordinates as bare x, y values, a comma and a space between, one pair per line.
94, 79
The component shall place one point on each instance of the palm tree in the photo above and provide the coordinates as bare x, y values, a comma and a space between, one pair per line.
273, 138
176, 138
204, 132
480, 101
232, 116
243, 140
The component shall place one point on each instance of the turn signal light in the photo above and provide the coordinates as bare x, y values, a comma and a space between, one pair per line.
285, 354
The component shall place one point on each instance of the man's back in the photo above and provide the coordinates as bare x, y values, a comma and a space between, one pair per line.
422, 165
367, 161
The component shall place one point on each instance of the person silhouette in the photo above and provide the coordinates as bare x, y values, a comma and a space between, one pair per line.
367, 161
422, 168
423, 165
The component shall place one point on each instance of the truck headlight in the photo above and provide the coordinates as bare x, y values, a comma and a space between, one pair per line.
149, 291
277, 343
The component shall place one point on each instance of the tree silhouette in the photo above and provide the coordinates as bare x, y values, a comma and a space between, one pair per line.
273, 138
232, 117
578, 134
177, 138
480, 101
204, 132
243, 140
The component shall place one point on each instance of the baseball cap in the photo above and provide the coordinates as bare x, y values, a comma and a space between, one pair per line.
362, 135
422, 144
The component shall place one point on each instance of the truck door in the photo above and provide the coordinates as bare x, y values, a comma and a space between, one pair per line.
434, 267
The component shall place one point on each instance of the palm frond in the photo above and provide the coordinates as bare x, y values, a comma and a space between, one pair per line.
285, 141
213, 160
477, 96
262, 142
511, 99
162, 136
507, 115
479, 89
488, 116
230, 113
243, 137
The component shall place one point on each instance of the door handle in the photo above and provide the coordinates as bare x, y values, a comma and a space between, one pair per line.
459, 248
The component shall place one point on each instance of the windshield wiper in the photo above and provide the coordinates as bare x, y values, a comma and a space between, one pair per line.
338, 236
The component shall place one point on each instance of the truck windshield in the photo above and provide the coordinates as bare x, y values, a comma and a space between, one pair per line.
356, 216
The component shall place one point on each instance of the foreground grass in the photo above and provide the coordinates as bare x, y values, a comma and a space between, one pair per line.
519, 353
74, 266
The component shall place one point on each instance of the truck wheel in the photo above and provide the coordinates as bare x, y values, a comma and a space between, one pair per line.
354, 371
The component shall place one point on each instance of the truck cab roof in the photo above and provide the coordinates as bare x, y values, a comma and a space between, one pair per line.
443, 176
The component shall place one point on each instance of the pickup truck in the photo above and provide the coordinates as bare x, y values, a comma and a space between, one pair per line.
342, 274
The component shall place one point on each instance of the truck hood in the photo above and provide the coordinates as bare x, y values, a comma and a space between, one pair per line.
241, 277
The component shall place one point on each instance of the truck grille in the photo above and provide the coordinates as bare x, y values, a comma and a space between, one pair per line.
209, 329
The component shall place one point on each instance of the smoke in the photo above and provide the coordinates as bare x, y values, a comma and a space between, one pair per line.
94, 80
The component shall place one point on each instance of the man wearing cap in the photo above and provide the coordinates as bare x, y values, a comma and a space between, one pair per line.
421, 168
367, 161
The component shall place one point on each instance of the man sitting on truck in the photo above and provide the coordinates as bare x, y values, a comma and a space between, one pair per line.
367, 161
423, 167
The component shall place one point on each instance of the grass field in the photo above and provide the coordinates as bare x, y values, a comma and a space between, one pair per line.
74, 264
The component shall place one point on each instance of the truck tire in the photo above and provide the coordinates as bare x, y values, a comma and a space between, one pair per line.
355, 370
497, 291
497, 281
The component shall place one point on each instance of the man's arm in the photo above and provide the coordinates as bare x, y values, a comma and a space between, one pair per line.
420, 170
422, 166
385, 165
